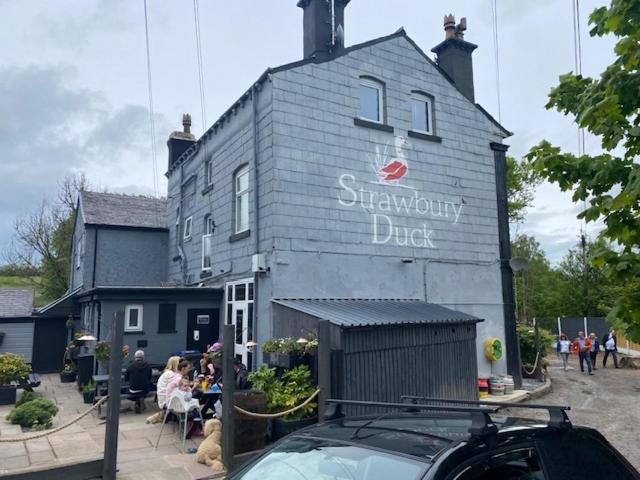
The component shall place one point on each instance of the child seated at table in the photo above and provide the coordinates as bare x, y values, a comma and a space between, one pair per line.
185, 390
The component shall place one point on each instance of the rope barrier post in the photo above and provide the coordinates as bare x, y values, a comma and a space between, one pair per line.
228, 387
324, 366
113, 410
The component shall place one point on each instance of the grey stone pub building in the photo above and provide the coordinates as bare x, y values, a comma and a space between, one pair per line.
357, 175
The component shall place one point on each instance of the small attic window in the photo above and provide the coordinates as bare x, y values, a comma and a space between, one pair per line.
371, 95
422, 113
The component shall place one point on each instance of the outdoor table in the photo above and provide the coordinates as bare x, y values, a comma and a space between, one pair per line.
208, 399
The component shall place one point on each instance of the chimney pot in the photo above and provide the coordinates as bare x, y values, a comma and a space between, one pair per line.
449, 26
323, 32
186, 123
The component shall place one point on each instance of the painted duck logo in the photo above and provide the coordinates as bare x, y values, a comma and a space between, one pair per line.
391, 168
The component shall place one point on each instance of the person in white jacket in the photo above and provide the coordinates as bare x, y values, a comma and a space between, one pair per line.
169, 373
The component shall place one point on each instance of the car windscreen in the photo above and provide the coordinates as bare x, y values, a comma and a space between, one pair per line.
314, 459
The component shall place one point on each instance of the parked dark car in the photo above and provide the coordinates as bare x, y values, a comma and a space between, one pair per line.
441, 443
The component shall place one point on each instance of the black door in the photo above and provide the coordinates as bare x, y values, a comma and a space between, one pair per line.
203, 328
49, 343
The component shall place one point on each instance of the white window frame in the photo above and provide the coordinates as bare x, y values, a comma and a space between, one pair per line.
379, 86
207, 238
79, 251
188, 225
208, 173
127, 318
242, 305
421, 97
237, 195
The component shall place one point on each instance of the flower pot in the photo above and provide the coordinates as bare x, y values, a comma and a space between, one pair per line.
281, 428
88, 397
67, 377
282, 360
7, 394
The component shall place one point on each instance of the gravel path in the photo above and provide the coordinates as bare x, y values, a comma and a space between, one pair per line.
608, 401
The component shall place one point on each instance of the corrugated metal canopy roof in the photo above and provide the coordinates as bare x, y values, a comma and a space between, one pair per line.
364, 312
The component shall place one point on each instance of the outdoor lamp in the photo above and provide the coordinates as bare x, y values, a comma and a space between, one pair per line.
251, 345
87, 338
302, 341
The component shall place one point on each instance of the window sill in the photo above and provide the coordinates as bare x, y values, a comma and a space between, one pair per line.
187, 239
425, 136
374, 125
167, 331
207, 189
239, 236
206, 274
134, 332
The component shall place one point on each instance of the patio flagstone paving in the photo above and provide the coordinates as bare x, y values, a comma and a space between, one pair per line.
137, 459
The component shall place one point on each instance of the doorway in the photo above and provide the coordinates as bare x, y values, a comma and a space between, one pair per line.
203, 328
240, 314
49, 344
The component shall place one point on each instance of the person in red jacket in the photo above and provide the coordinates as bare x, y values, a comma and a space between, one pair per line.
582, 346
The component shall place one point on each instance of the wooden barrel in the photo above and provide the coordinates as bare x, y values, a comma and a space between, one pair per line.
508, 385
496, 386
250, 433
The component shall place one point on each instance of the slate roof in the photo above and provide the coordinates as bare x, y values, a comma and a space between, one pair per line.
123, 210
16, 302
401, 32
365, 312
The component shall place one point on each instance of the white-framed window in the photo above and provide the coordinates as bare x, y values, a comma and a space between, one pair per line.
209, 225
421, 113
187, 228
239, 300
241, 193
79, 251
371, 100
207, 252
208, 173
133, 318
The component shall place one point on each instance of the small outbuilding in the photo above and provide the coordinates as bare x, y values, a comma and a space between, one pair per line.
383, 349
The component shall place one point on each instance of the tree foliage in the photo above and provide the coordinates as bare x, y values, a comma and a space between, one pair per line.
607, 107
521, 183
43, 237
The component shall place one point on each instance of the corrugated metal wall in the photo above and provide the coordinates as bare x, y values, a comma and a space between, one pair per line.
18, 338
383, 363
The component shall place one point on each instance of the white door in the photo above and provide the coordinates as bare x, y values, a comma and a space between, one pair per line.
240, 319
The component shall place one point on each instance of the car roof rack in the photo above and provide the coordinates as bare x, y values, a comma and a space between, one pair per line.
481, 423
557, 413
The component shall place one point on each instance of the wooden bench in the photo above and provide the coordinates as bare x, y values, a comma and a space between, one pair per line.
124, 395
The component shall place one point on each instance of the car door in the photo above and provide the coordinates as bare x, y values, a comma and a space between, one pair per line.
514, 463
582, 452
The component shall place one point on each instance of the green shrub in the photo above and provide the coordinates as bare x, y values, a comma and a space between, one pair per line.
527, 337
283, 394
12, 368
36, 412
26, 397
89, 387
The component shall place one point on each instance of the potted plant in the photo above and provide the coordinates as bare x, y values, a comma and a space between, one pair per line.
68, 373
13, 368
282, 352
292, 390
89, 392
215, 354
270, 351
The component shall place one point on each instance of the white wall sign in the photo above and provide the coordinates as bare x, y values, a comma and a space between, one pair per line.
392, 204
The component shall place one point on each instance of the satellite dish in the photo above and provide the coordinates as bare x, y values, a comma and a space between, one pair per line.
519, 264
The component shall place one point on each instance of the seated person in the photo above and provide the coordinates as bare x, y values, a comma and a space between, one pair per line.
183, 372
170, 371
138, 375
241, 375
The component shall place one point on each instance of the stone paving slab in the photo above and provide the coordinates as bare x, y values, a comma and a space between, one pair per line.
137, 459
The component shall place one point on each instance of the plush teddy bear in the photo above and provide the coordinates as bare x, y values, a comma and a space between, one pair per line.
209, 451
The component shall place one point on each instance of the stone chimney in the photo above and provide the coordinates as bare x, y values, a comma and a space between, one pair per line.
179, 142
323, 27
454, 55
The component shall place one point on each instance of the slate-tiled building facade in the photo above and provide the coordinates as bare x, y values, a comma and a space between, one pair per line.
345, 194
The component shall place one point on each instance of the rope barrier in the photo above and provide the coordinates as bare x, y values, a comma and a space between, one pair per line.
281, 414
535, 365
46, 433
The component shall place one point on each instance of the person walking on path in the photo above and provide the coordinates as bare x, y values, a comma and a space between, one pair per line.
564, 349
595, 348
610, 348
582, 346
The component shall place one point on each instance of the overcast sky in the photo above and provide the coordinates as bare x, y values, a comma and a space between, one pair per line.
73, 82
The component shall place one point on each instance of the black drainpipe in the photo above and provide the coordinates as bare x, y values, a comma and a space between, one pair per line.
508, 300
256, 217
